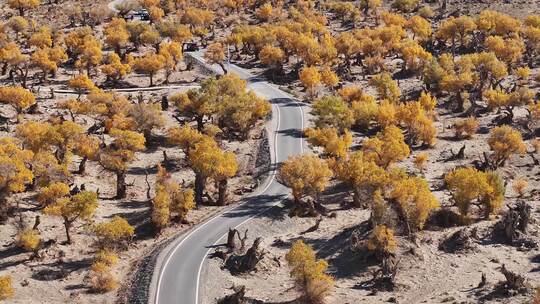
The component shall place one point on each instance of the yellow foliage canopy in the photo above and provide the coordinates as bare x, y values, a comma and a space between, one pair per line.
309, 273
415, 201
387, 147
386, 87
49, 194
330, 140
362, 174
382, 240
467, 185
6, 289
17, 97
14, 164
114, 233
305, 175
505, 141
29, 240
310, 79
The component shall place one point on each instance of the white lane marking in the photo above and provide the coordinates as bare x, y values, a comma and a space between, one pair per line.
270, 181
252, 217
301, 125
246, 220
171, 253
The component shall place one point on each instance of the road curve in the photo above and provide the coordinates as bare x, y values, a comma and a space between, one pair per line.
177, 277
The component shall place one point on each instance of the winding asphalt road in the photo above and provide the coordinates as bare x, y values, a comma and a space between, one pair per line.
177, 276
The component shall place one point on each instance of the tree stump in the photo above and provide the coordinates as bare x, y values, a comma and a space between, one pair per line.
231, 243
512, 228
459, 241
247, 262
238, 297
513, 281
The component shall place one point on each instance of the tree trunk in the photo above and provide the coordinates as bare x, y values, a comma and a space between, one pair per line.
120, 184
514, 281
247, 262
67, 225
60, 154
222, 192
82, 166
4, 207
164, 103
147, 133
119, 51
442, 9
151, 80
223, 68
356, 199
460, 103
199, 188
37, 222
200, 123
231, 243
25, 77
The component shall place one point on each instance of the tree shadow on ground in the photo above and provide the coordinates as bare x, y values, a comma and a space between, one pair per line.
135, 204
75, 287
343, 260
498, 293
294, 133
255, 206
286, 102
144, 229
59, 269
536, 260
142, 171
11, 251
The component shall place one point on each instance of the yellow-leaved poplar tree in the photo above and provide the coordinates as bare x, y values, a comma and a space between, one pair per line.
309, 273
80, 206
382, 241
362, 174
29, 240
329, 138
310, 77
209, 161
114, 234
81, 83
117, 156
6, 288
387, 147
468, 185
18, 97
215, 54
170, 199
505, 141
149, 64
16, 172
332, 111
305, 175
414, 200
23, 5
